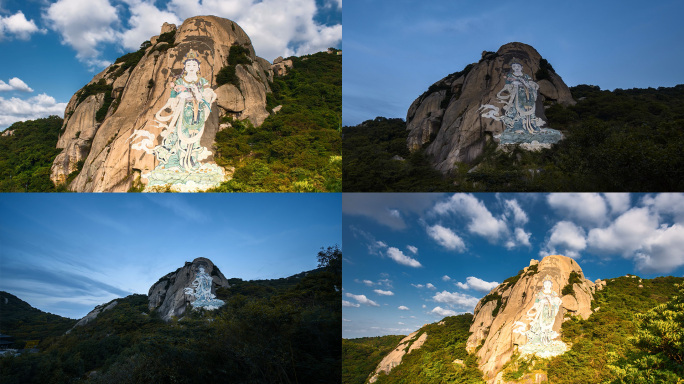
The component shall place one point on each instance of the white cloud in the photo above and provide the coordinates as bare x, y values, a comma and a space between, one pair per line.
567, 239
398, 256
346, 303
362, 299
18, 26
146, 21
418, 285
523, 237
413, 249
383, 293
618, 202
587, 208
455, 298
85, 26
626, 234
663, 251
430, 286
443, 312
446, 278
15, 84
446, 238
403, 308
482, 222
512, 208
15, 109
477, 284
667, 204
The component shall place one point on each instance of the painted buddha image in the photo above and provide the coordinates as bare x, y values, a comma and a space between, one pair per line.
200, 289
520, 95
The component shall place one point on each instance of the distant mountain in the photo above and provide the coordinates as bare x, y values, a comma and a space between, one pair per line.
23, 322
546, 324
267, 331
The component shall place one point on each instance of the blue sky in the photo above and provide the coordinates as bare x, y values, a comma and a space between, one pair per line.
55, 47
65, 254
395, 49
411, 259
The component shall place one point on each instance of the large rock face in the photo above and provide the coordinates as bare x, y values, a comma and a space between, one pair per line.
168, 295
117, 151
524, 314
448, 119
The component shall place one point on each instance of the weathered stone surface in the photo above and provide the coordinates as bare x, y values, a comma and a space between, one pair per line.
448, 115
110, 162
230, 98
500, 335
168, 295
92, 315
281, 66
394, 358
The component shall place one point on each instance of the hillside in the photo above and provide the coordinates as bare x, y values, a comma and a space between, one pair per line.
267, 332
626, 340
23, 322
609, 137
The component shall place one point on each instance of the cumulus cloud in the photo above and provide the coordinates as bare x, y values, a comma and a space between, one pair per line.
567, 239
346, 303
16, 109
512, 208
403, 308
446, 278
482, 222
473, 282
85, 26
456, 299
383, 293
625, 234
18, 26
430, 286
618, 202
398, 256
146, 21
446, 238
523, 237
586, 208
413, 249
663, 251
667, 204
418, 285
439, 311
362, 299
15, 84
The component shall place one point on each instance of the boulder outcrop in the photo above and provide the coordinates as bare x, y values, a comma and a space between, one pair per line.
92, 315
168, 295
112, 135
406, 345
447, 120
524, 314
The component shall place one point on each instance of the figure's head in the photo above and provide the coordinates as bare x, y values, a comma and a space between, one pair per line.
548, 285
201, 269
191, 63
516, 67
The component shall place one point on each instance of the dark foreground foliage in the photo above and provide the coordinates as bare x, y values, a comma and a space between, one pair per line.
27, 155
362, 355
622, 140
270, 331
297, 149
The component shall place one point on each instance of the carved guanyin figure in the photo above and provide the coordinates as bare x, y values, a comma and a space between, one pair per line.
200, 289
180, 154
542, 317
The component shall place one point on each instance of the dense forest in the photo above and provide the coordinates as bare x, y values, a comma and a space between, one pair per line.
610, 138
297, 149
269, 331
27, 150
636, 336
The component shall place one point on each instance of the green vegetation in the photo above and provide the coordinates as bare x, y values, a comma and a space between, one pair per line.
361, 356
610, 137
237, 55
434, 361
573, 279
544, 71
27, 155
284, 332
297, 149
604, 339
492, 297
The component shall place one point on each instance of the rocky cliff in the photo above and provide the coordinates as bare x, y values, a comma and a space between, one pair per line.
448, 118
524, 314
169, 297
118, 129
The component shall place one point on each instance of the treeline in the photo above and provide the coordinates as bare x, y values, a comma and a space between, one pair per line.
297, 149
281, 333
622, 140
27, 150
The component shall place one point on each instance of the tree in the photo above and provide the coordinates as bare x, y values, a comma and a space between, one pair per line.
330, 258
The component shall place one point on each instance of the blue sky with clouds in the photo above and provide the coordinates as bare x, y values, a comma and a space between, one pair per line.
395, 49
411, 259
65, 254
52, 48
